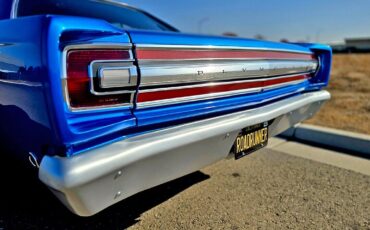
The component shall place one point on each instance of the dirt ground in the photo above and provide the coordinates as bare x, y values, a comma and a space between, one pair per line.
349, 108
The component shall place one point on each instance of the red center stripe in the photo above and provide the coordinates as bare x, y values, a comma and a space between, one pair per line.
187, 92
151, 54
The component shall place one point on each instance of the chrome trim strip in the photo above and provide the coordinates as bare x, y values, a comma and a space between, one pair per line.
95, 45
123, 61
82, 179
210, 47
283, 84
216, 83
191, 71
116, 3
21, 82
14, 10
172, 61
101, 45
196, 98
171, 101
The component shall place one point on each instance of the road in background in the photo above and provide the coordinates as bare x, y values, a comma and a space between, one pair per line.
288, 185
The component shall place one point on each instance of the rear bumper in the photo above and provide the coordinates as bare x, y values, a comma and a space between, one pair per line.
90, 182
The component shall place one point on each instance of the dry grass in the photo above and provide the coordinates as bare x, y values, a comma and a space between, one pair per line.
349, 108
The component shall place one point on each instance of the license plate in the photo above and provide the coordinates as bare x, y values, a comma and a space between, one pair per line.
250, 139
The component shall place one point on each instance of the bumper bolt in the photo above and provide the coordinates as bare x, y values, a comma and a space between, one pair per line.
118, 194
118, 174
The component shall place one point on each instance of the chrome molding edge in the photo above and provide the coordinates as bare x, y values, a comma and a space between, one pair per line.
283, 85
92, 181
96, 45
196, 98
115, 3
14, 10
211, 47
143, 105
165, 73
217, 83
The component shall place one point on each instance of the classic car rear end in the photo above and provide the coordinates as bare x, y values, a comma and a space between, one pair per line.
122, 110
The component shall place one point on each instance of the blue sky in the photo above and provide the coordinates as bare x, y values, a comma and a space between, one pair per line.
314, 21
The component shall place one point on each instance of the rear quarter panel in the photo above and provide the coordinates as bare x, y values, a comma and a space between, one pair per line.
24, 123
78, 131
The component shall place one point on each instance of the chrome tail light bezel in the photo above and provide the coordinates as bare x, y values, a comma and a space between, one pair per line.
128, 63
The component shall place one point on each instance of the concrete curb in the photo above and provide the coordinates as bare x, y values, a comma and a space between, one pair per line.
354, 142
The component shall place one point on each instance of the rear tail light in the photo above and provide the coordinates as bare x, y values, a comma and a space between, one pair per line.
99, 77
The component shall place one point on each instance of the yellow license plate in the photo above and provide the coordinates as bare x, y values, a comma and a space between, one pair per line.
250, 139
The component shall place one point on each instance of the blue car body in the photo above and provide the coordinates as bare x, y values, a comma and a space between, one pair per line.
37, 119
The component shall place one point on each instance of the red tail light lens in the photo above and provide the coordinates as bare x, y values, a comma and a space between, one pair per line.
78, 81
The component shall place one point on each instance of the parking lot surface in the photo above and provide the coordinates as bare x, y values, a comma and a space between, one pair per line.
274, 188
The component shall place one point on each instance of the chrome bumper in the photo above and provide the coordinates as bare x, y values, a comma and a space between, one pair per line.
94, 180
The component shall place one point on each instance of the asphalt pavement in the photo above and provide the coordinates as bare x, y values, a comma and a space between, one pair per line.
285, 186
